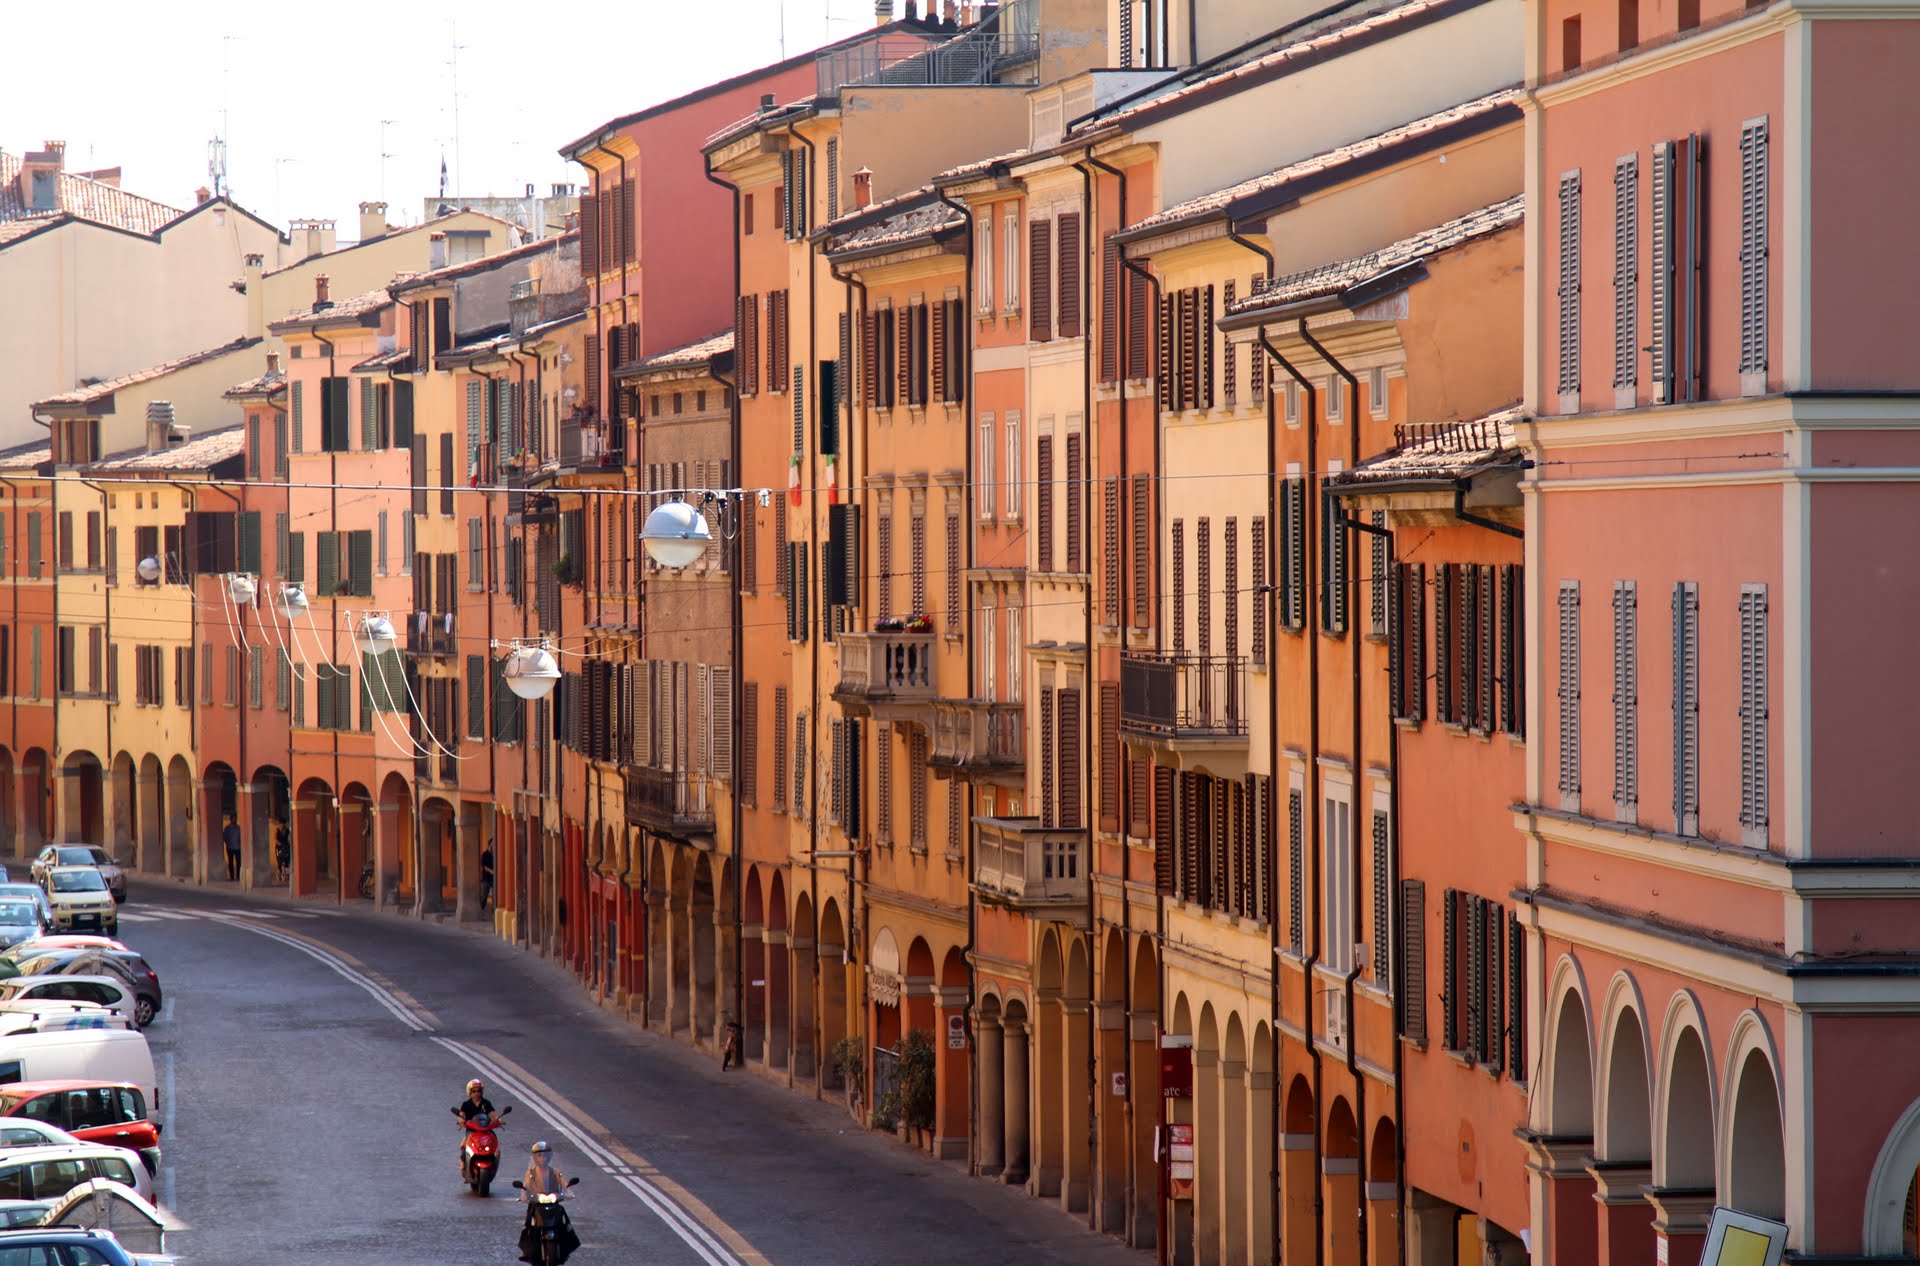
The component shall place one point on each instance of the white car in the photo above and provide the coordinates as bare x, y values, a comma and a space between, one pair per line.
27, 1132
108, 992
80, 898
81, 855
47, 1173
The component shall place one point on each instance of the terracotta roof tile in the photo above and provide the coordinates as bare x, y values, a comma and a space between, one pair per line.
681, 357
344, 310
199, 453
22, 456
468, 267
918, 217
1441, 451
85, 199
263, 385
1494, 106
101, 390
1331, 279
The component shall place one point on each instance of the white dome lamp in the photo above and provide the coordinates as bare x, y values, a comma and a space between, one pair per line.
241, 590
676, 535
149, 569
531, 672
374, 635
292, 602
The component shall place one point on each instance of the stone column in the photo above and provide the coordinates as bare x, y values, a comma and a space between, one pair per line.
1259, 1164
1076, 1172
1143, 1079
774, 1022
1432, 1239
249, 806
1018, 1157
659, 986
990, 1052
1232, 1129
1566, 1225
1680, 1218
1626, 1219
1498, 1246
723, 973
1383, 1222
951, 1092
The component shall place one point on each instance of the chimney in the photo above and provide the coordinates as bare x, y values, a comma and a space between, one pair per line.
40, 177
320, 300
373, 220
273, 362
201, 195
253, 264
159, 424
882, 12
768, 102
862, 188
436, 251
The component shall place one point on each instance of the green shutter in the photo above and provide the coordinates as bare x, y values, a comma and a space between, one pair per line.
403, 415
327, 560
369, 433
299, 417
476, 696
360, 562
249, 560
473, 428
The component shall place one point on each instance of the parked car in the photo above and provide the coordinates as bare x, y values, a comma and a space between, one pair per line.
27, 1132
19, 919
86, 961
103, 991
68, 1245
57, 1017
80, 899
57, 855
47, 1173
93, 1056
29, 892
98, 1112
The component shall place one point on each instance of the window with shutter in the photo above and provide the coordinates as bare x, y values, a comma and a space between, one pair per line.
1296, 873
1450, 970
1484, 649
1626, 276
1229, 360
1141, 508
1660, 272
1446, 651
1110, 544
1049, 719
1626, 701
1164, 862
1230, 593
1043, 503
1015, 490
1383, 913
1493, 980
1686, 708
1513, 661
1177, 582
1109, 309
476, 697
1569, 292
1755, 788
917, 790
1516, 997
938, 347
1110, 756
1165, 356
296, 396
1754, 247
1039, 280
1379, 575
1068, 294
1262, 599
1569, 695
1071, 810
1333, 564
1076, 490
1293, 551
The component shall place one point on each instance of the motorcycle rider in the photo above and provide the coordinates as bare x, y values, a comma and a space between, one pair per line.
544, 1178
477, 1109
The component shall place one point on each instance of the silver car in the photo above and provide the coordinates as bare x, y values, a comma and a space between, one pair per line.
81, 855
20, 918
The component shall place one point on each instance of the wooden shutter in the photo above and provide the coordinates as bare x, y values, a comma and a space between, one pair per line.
1569, 284
328, 566
1416, 650
1450, 981
938, 348
1382, 901
1397, 693
1070, 815
1142, 556
1138, 327
1516, 996
1754, 187
1039, 280
747, 779
1686, 707
1660, 272
870, 360
1043, 503
1626, 269
1110, 756
1166, 370
1076, 503
1163, 855
1513, 625
1068, 299
720, 723
1293, 563
1569, 690
589, 235
1230, 355
1444, 651
1177, 583
1626, 689
1262, 600
1296, 874
780, 749
1754, 738
1110, 308
1049, 719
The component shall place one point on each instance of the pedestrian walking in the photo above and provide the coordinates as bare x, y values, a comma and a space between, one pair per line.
486, 878
731, 1055
282, 851
231, 835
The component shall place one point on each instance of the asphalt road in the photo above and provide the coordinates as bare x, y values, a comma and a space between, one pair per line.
308, 1057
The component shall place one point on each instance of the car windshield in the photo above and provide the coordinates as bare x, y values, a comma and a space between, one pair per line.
17, 913
78, 881
79, 857
29, 892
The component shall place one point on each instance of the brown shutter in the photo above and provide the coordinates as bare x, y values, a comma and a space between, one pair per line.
589, 248
1109, 310
1043, 503
1076, 503
1110, 542
1412, 985
1069, 296
1163, 858
870, 360
1110, 756
1039, 280
1138, 331
903, 356
1048, 722
939, 349
1166, 370
1142, 557
1070, 810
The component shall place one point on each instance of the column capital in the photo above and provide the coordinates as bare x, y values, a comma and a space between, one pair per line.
1144, 1026
1680, 1210
951, 997
1108, 1016
1619, 1182
1557, 1156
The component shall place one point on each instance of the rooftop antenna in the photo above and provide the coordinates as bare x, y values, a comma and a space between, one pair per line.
217, 147
384, 155
453, 27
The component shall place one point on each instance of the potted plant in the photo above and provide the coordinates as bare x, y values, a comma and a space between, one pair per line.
848, 1062
918, 624
914, 1083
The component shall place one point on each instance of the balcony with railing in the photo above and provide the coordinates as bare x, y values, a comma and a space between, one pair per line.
1038, 870
672, 801
889, 675
1003, 47
430, 633
1176, 698
591, 444
982, 740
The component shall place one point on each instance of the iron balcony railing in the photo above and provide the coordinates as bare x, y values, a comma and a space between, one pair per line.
429, 633
993, 50
670, 798
588, 445
1180, 696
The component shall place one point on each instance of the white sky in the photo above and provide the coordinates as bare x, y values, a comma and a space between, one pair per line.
142, 86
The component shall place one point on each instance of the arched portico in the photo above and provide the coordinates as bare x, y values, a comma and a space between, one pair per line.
151, 806
82, 793
434, 855
179, 818
123, 808
36, 792
270, 811
315, 832
393, 842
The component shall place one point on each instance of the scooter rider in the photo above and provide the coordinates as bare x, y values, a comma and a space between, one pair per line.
477, 1109
543, 1178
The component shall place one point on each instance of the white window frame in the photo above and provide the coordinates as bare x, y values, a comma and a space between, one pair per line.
1336, 399
1377, 392
1016, 493
1016, 651
989, 650
1010, 295
1338, 876
983, 266
983, 471
1292, 410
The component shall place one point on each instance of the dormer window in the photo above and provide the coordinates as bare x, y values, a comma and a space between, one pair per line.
42, 194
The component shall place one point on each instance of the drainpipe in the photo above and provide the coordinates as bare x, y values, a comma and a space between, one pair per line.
1339, 522
1461, 513
209, 486
1265, 594
972, 512
13, 589
333, 519
1310, 812
106, 637
519, 357
736, 648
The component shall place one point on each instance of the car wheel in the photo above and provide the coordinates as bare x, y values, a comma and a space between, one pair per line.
143, 1012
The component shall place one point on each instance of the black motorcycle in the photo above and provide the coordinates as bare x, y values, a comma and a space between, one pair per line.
548, 1237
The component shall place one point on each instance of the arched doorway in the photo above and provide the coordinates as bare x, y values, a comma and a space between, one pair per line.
753, 967
1233, 1128
219, 796
779, 972
659, 937
435, 855
832, 958
272, 810
1686, 1126
1341, 1164
315, 838
680, 1014
1076, 1043
9, 799
179, 818
151, 802
1299, 1185
1049, 1066
124, 814
1018, 1113
357, 841
393, 833
802, 982
1143, 1089
81, 795
1182, 1212
37, 789
1756, 1145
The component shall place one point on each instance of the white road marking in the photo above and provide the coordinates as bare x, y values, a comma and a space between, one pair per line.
682, 1223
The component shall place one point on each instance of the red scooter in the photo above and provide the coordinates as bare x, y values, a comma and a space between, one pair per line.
480, 1152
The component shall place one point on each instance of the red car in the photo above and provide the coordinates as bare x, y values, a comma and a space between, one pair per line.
113, 1112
